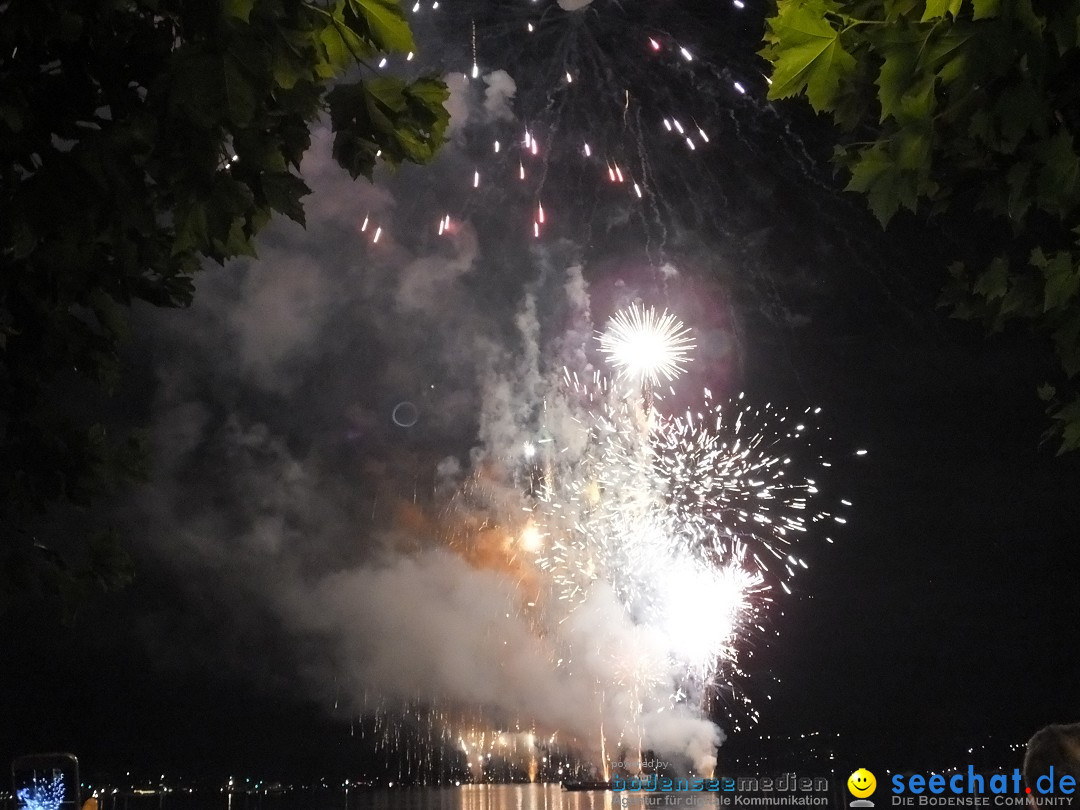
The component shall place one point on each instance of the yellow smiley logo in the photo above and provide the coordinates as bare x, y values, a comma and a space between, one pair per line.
861, 783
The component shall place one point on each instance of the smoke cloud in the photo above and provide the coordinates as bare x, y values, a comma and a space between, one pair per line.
282, 481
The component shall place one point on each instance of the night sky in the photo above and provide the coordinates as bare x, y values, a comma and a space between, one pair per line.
943, 615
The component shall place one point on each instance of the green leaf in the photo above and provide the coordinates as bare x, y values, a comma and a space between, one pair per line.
1019, 199
336, 49
1019, 301
283, 192
387, 91
240, 101
288, 68
993, 283
111, 315
1064, 24
917, 102
1062, 280
387, 24
404, 121
196, 88
894, 78
1070, 436
947, 53
807, 55
191, 229
236, 241
1046, 392
434, 93
1057, 181
912, 147
1020, 108
1067, 344
899, 8
936, 9
239, 9
1068, 421
981, 127
876, 174
985, 8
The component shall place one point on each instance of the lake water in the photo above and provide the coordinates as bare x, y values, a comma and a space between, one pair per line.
538, 796
520, 797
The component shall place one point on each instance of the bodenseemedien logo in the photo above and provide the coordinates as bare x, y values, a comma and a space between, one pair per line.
861, 784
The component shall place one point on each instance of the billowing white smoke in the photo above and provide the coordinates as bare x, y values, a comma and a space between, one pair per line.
429, 625
681, 730
252, 498
484, 100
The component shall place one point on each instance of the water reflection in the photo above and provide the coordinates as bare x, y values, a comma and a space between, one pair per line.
525, 797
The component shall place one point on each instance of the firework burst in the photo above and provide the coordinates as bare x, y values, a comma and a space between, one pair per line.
43, 793
646, 347
726, 479
643, 549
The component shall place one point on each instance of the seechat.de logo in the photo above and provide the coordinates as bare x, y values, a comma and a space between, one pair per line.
861, 784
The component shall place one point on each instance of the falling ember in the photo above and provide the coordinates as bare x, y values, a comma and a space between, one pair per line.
655, 45
540, 213
378, 233
476, 179
588, 151
364, 226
